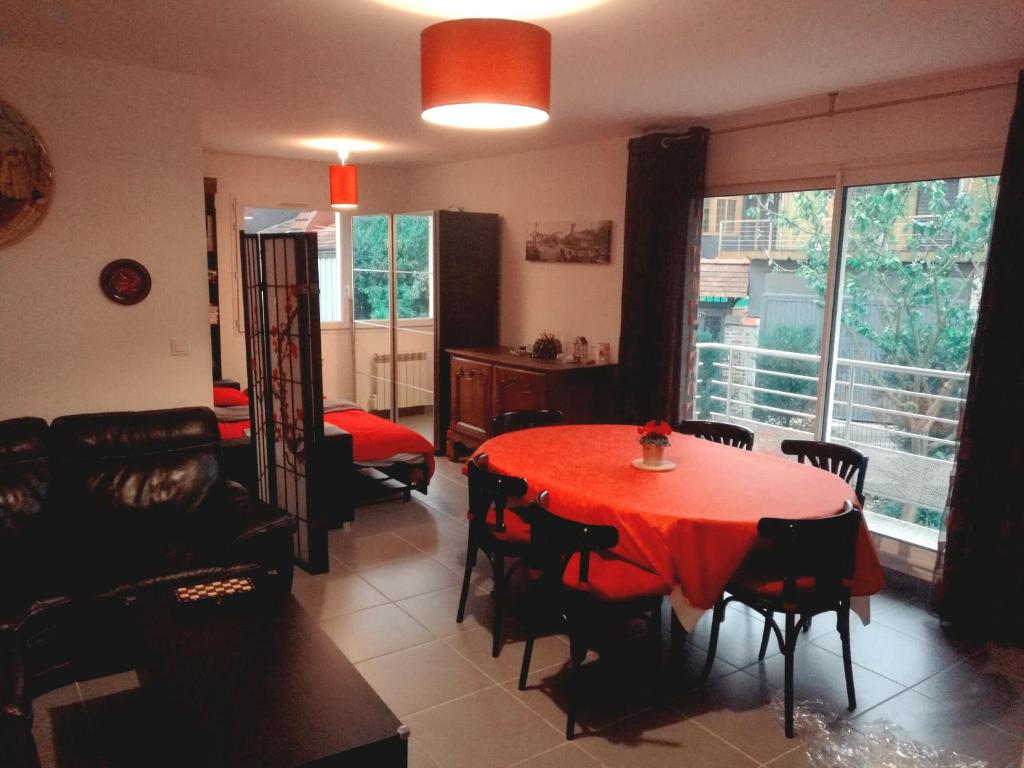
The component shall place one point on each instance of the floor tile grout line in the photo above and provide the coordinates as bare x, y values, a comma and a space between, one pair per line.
777, 758
450, 701
724, 740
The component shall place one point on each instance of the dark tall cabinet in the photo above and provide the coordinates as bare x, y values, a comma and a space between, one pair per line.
467, 259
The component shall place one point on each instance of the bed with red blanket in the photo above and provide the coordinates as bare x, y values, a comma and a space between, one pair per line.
389, 455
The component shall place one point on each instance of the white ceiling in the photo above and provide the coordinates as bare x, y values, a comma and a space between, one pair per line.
274, 73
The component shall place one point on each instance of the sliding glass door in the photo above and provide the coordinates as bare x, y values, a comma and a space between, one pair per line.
863, 341
912, 261
393, 317
761, 311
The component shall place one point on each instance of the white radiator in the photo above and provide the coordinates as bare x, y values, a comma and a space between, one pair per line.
415, 378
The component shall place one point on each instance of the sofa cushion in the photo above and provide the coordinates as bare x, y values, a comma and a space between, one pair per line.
24, 489
130, 489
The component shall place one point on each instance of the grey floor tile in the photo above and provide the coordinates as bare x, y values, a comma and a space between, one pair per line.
563, 756
739, 637
361, 552
660, 738
738, 708
948, 725
437, 610
489, 729
422, 677
375, 632
818, 675
336, 593
901, 657
980, 687
410, 577
438, 532
475, 645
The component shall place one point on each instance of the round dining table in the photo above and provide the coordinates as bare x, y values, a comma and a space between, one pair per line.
692, 525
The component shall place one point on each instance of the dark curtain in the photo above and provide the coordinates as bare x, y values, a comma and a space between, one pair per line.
661, 265
979, 583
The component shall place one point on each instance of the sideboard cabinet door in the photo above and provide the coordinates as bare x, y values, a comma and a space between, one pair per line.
471, 397
518, 390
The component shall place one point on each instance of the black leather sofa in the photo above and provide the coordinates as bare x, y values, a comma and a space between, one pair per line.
94, 510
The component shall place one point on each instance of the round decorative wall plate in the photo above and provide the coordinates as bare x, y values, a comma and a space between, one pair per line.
26, 176
125, 281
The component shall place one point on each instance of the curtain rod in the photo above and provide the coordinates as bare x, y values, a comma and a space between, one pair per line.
833, 112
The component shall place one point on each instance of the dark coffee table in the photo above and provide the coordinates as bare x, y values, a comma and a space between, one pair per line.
250, 683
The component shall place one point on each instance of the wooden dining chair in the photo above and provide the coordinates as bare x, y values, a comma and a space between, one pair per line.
496, 530
513, 421
849, 463
585, 582
719, 432
799, 567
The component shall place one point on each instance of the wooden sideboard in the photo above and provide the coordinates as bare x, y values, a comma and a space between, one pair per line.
487, 381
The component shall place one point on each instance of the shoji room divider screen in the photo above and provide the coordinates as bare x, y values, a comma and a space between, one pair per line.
280, 288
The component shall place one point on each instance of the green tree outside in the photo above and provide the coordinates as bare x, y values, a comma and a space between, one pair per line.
371, 270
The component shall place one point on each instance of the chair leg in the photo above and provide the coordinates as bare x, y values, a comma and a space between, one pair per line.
499, 603
768, 619
470, 562
844, 634
716, 619
524, 671
577, 652
807, 625
789, 648
655, 630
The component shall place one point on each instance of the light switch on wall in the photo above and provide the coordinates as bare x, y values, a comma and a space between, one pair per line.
179, 346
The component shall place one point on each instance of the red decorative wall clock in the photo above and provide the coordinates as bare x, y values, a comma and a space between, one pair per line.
125, 281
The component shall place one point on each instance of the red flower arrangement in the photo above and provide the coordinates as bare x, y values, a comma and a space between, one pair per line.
655, 432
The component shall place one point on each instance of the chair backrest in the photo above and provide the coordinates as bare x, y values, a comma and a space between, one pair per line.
849, 463
554, 540
512, 421
488, 489
816, 558
719, 432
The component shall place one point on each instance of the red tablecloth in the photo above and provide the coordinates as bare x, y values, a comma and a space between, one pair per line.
692, 526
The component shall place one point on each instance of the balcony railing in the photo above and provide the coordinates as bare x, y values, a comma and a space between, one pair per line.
904, 418
768, 236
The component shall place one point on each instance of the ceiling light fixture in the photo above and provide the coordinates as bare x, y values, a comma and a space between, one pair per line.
485, 73
344, 183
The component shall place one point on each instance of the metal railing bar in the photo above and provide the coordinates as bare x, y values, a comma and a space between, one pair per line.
766, 372
908, 392
771, 408
873, 447
878, 409
779, 392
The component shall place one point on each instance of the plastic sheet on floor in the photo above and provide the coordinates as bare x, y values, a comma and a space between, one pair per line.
831, 742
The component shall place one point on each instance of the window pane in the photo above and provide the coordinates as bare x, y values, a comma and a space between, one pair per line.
413, 295
372, 294
763, 273
413, 241
268, 221
370, 242
914, 257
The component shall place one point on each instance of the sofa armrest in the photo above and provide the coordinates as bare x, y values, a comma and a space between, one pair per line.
260, 519
255, 532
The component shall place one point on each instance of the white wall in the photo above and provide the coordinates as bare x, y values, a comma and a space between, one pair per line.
584, 182
125, 146
244, 180
960, 135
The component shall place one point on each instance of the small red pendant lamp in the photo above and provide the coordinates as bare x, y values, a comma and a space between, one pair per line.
485, 73
344, 184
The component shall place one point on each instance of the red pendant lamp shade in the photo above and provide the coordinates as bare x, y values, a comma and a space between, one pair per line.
344, 186
485, 73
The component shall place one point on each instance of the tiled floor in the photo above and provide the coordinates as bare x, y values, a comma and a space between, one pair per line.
390, 600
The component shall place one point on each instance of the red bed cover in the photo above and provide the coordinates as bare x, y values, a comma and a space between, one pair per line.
373, 438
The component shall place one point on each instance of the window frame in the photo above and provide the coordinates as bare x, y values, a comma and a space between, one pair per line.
904, 550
